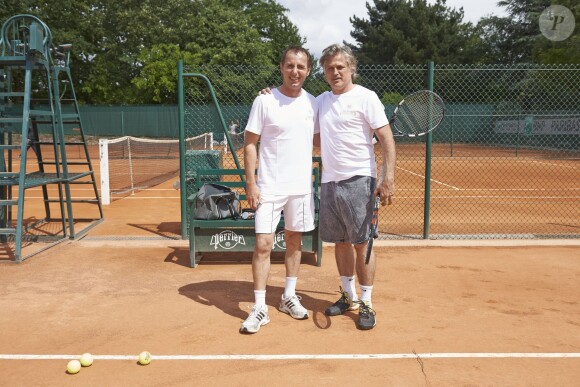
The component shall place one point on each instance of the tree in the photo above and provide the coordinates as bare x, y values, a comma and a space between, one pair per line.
156, 81
270, 20
510, 39
122, 47
567, 51
410, 32
517, 38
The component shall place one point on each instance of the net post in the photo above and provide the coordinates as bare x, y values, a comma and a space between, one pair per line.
104, 169
130, 166
428, 151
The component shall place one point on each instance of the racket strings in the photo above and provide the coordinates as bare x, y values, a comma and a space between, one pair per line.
419, 113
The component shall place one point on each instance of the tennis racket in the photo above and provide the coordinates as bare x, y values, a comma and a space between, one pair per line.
374, 220
418, 114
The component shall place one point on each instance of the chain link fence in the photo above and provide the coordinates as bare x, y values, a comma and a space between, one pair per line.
505, 162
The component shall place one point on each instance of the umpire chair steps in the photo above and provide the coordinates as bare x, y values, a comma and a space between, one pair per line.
29, 74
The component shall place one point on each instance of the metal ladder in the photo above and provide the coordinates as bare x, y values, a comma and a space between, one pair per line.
68, 114
30, 98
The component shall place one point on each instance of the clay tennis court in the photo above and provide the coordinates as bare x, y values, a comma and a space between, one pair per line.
481, 190
449, 312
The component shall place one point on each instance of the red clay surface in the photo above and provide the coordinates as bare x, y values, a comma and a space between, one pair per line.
121, 297
112, 293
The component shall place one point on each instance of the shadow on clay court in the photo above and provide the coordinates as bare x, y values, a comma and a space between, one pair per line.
231, 297
164, 229
180, 256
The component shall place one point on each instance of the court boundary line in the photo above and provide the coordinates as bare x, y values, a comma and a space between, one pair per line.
128, 241
370, 356
424, 178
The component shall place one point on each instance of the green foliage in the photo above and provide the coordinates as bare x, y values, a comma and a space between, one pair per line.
566, 51
517, 38
391, 98
410, 32
273, 25
509, 39
157, 79
126, 51
414, 32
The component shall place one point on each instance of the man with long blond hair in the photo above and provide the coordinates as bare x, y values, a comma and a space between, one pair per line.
349, 116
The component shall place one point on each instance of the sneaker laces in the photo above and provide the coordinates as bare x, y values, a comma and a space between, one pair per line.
292, 297
255, 311
365, 310
344, 297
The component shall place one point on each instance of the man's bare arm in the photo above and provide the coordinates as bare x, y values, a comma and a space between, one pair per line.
388, 152
250, 162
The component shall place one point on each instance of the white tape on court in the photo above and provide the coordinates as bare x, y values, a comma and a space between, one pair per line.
370, 356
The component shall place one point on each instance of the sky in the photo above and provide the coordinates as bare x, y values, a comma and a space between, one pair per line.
324, 22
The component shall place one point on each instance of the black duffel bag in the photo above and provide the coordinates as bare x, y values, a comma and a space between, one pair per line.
215, 201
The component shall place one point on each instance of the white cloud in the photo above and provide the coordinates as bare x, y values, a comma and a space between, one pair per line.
474, 10
324, 22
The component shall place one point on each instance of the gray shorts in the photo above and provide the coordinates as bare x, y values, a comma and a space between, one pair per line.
346, 210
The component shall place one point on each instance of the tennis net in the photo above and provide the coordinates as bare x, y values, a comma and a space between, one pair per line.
130, 164
237, 142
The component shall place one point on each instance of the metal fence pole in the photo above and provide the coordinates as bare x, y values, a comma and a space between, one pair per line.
182, 190
428, 147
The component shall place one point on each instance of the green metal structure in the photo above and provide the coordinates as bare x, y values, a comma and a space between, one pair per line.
31, 72
504, 164
191, 161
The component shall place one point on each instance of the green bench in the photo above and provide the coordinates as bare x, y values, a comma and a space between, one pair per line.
238, 235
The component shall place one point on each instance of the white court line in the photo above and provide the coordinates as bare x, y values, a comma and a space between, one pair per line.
125, 197
423, 177
149, 197
91, 189
514, 189
489, 189
399, 189
554, 164
370, 356
493, 197
398, 197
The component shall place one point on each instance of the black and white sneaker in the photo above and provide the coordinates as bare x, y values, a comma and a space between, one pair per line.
293, 307
258, 317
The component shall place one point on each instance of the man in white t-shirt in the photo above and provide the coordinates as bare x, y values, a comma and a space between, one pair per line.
349, 115
283, 123
233, 128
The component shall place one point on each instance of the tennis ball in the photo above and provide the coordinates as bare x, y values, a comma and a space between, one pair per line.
86, 359
144, 358
73, 366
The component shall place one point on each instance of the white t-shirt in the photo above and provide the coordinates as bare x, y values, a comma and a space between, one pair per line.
346, 129
286, 128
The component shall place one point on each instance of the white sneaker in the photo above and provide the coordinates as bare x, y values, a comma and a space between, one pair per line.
258, 317
293, 307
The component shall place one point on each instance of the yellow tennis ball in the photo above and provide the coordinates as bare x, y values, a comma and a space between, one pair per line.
86, 359
144, 358
73, 366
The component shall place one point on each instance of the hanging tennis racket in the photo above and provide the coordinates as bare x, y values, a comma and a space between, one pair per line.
417, 114
374, 219
374, 226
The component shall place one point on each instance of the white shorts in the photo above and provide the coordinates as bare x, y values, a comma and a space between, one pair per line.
298, 213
